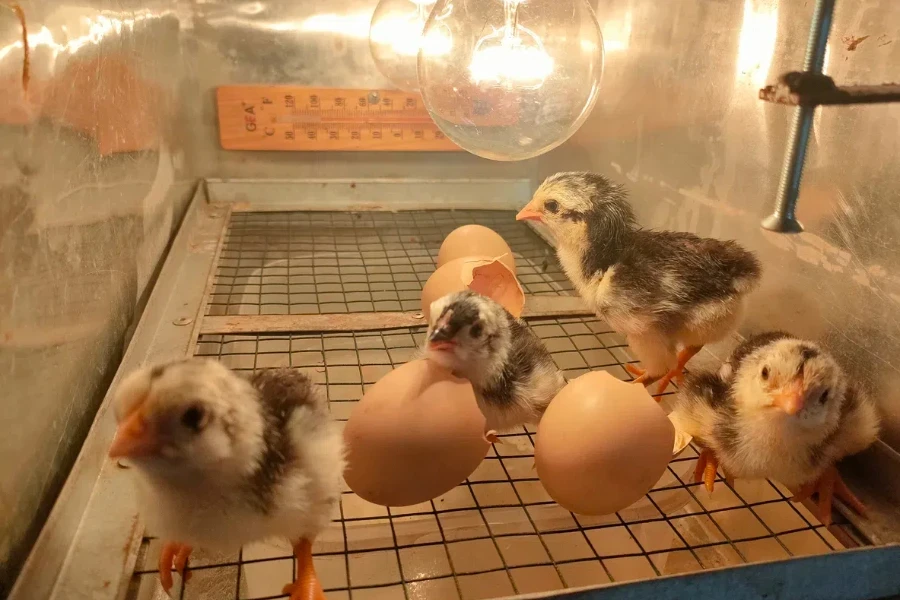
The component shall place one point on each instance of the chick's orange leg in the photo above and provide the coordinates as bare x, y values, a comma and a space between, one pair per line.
173, 552
307, 586
705, 471
829, 485
677, 373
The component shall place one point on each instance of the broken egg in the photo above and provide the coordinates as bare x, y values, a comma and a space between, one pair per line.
602, 444
488, 276
415, 435
475, 240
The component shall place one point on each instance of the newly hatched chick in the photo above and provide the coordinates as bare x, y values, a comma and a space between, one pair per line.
661, 289
512, 373
222, 461
781, 407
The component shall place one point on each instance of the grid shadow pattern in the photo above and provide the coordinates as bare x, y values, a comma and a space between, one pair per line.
339, 262
498, 533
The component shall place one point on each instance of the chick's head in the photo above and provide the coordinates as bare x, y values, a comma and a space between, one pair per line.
568, 202
188, 417
795, 382
467, 334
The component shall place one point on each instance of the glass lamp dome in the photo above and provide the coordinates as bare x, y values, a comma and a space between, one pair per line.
395, 37
512, 79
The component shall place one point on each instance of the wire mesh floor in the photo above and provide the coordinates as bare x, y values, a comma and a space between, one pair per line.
498, 533
338, 262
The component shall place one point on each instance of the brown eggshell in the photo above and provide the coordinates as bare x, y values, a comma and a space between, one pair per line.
475, 240
488, 276
415, 435
602, 444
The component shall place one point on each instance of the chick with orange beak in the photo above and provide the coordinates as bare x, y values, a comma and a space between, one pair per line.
780, 408
668, 292
221, 461
512, 373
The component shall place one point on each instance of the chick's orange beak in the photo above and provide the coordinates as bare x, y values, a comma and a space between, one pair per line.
790, 398
529, 213
134, 438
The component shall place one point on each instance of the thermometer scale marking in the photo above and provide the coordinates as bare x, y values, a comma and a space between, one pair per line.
292, 118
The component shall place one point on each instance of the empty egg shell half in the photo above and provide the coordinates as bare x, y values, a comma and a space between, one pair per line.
475, 240
602, 444
488, 276
415, 435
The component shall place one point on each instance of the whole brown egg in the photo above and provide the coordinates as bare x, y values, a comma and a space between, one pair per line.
602, 444
415, 435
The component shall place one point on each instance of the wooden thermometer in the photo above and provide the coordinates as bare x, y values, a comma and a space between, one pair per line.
293, 118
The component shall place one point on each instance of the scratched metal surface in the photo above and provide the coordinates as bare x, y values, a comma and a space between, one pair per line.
80, 233
679, 122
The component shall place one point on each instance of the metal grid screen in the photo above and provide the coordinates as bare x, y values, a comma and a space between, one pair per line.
498, 533
338, 262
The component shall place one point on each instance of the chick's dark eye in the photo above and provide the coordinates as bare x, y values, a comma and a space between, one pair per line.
765, 373
194, 418
476, 331
824, 397
551, 206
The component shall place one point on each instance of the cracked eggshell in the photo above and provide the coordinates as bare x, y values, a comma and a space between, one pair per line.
488, 276
475, 240
415, 435
602, 444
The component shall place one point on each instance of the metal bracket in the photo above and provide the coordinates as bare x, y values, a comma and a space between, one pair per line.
816, 89
806, 90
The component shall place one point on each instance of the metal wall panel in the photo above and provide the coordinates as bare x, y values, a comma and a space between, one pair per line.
680, 124
95, 173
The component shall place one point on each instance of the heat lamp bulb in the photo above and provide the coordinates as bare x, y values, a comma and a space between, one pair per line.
395, 38
517, 77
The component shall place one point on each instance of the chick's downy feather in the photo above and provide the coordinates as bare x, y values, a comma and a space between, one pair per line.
511, 371
661, 289
234, 460
780, 408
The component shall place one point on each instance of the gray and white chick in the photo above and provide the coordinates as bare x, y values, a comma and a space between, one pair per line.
663, 290
511, 371
779, 408
222, 461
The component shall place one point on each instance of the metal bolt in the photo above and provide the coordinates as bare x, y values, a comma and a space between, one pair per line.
783, 219
374, 98
182, 321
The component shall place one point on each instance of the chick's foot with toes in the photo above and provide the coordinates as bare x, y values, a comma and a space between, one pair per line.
177, 554
829, 485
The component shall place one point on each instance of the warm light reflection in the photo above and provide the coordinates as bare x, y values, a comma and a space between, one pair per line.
511, 56
403, 33
617, 34
757, 40
511, 60
97, 28
353, 25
